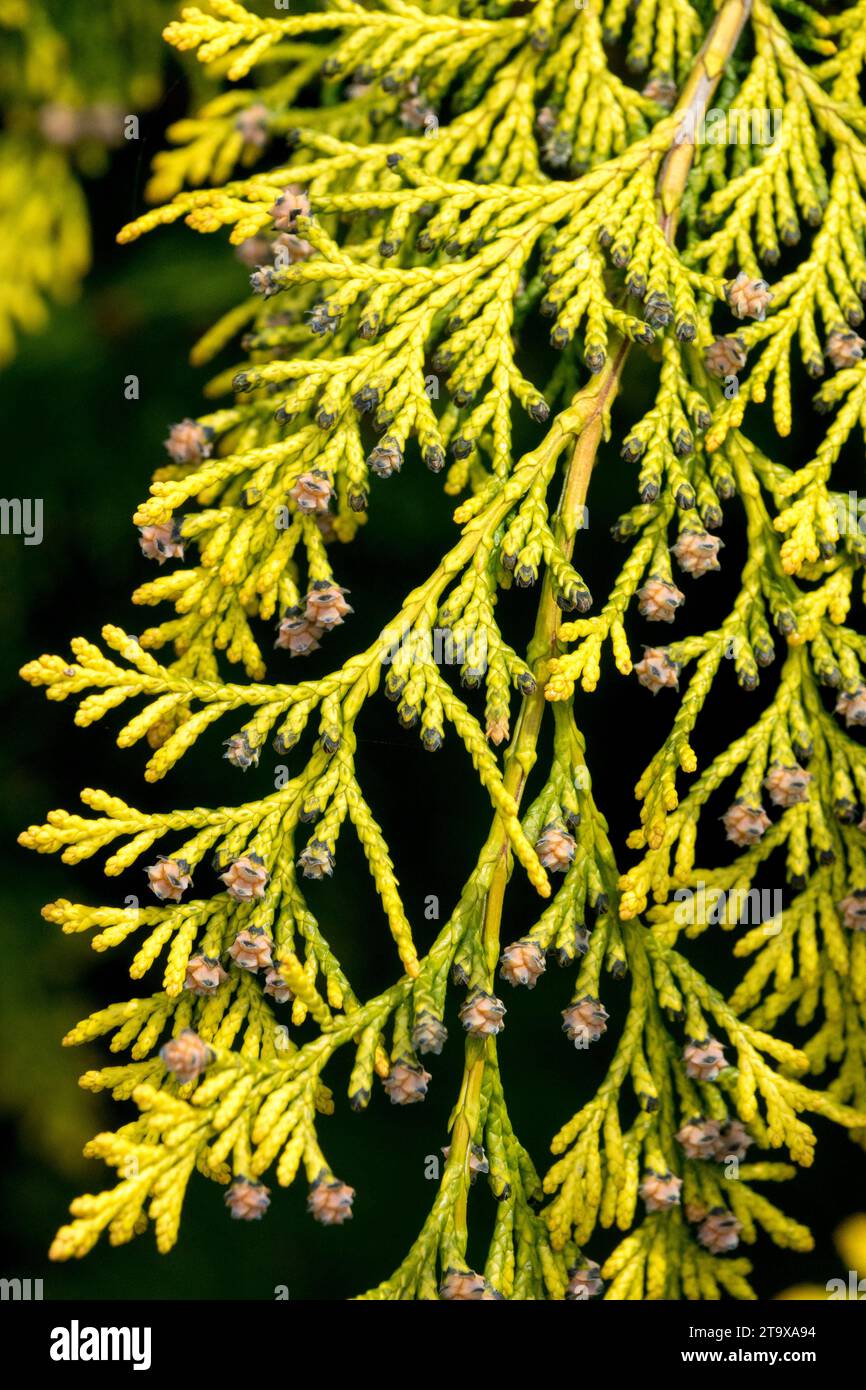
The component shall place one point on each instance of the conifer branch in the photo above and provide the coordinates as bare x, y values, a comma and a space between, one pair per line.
477, 170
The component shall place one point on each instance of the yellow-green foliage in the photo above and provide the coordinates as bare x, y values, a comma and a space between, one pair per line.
70, 71
447, 174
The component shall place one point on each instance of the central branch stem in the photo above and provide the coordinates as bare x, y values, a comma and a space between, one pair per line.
584, 420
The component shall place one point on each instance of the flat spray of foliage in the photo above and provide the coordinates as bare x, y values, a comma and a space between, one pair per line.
450, 173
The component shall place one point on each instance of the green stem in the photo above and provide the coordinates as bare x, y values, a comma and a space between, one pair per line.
585, 421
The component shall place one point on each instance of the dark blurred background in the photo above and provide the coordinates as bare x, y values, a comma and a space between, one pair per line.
71, 437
